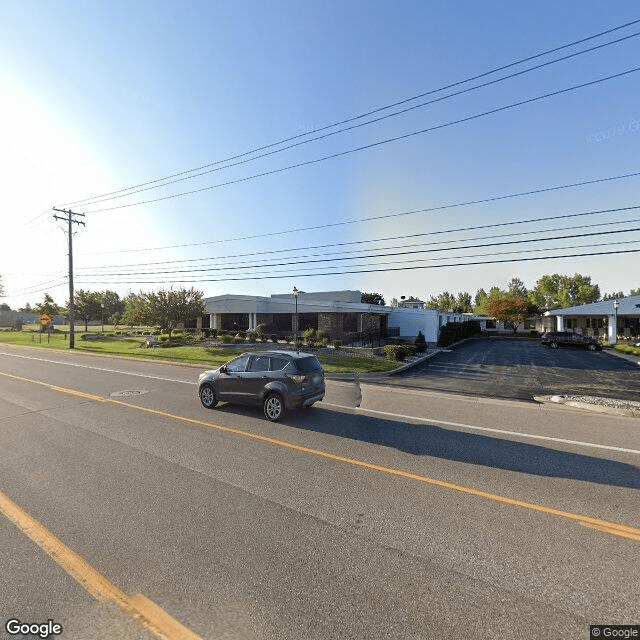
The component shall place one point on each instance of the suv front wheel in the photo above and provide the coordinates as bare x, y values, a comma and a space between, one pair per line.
273, 407
553, 345
208, 396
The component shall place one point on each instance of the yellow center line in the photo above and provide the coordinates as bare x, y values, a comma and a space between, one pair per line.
606, 526
150, 615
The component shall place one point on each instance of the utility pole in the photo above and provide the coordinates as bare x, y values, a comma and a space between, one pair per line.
70, 220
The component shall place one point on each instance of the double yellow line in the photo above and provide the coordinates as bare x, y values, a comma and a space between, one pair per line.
153, 617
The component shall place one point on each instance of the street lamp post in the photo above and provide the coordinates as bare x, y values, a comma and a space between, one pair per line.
616, 305
102, 315
296, 293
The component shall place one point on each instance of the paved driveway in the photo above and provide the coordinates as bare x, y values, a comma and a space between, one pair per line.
521, 369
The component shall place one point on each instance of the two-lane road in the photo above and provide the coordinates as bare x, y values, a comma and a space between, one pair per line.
143, 515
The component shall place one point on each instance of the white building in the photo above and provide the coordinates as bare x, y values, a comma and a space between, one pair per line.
339, 314
608, 319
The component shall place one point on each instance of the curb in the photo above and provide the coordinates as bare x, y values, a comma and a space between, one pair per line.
376, 375
598, 408
625, 356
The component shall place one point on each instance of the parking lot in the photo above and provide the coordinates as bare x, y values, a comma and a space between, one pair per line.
521, 369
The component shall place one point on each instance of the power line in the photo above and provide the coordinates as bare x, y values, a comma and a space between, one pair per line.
37, 288
363, 115
378, 263
382, 217
41, 215
352, 271
401, 237
359, 125
379, 255
374, 144
297, 259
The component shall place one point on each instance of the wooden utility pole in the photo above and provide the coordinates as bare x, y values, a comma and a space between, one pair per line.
69, 219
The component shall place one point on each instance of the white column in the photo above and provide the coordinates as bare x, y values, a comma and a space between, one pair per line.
559, 323
612, 329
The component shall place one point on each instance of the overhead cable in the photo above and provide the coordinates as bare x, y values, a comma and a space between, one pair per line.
358, 117
372, 145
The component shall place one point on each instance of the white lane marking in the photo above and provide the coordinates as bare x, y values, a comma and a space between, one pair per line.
361, 410
472, 427
86, 366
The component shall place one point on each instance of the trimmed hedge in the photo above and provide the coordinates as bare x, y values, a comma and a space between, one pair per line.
455, 331
397, 352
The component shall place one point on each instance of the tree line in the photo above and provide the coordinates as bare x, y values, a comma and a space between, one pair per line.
164, 309
514, 304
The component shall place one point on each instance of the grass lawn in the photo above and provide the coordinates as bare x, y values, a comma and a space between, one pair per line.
209, 357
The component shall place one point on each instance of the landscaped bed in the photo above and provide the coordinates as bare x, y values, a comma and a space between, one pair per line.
207, 355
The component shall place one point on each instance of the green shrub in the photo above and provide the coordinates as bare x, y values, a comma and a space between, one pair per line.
308, 334
336, 344
396, 352
260, 331
410, 350
226, 339
455, 331
625, 348
299, 344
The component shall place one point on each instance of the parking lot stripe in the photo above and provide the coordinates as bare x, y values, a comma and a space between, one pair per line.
607, 526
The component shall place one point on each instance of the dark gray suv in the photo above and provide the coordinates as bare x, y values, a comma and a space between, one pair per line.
555, 339
276, 380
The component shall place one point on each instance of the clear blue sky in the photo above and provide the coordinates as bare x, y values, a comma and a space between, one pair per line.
100, 96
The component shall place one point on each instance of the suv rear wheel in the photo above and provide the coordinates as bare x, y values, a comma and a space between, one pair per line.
273, 407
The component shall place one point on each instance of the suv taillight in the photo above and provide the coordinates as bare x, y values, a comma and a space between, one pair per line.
297, 379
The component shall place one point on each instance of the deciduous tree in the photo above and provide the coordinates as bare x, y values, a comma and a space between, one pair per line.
512, 311
48, 306
372, 298
87, 306
164, 308
446, 301
559, 291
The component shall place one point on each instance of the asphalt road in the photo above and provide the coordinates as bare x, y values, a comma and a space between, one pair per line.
419, 515
521, 369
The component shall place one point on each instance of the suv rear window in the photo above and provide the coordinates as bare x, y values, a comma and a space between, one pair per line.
277, 364
309, 364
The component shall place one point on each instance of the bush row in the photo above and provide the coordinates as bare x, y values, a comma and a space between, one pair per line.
399, 352
455, 331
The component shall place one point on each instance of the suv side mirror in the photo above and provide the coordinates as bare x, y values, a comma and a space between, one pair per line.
223, 368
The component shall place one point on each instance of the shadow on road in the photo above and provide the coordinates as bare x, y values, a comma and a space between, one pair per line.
438, 442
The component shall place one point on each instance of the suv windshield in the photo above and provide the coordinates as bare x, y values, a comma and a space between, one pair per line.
307, 365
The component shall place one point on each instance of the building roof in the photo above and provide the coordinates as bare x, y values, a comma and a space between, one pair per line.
628, 306
286, 303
